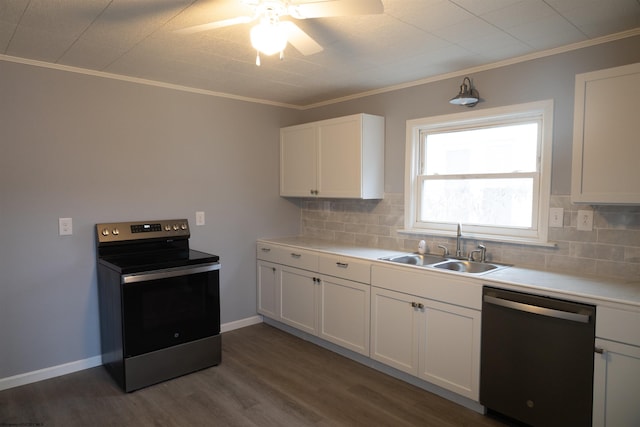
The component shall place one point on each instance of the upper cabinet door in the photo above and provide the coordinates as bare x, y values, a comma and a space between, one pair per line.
340, 158
298, 165
606, 141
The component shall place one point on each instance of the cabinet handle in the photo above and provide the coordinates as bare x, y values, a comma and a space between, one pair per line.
315, 192
294, 255
599, 350
265, 249
420, 306
274, 269
342, 264
414, 304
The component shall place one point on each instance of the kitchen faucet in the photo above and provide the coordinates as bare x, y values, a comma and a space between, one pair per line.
458, 237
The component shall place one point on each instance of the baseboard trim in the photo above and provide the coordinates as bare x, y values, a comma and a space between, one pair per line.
230, 326
92, 362
51, 372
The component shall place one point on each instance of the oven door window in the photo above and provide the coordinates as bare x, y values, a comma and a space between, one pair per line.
165, 312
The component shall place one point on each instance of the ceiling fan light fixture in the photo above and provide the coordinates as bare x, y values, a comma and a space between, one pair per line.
468, 95
268, 37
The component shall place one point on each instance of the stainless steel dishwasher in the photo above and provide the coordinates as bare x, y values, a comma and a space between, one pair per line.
537, 357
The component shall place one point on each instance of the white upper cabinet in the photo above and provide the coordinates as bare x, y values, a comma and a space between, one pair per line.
606, 141
337, 158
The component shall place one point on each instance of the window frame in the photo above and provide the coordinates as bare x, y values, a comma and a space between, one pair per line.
539, 110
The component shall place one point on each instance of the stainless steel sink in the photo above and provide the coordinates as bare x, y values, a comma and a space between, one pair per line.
443, 263
415, 259
470, 267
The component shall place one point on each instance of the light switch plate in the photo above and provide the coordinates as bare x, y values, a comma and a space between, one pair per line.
199, 218
556, 217
585, 220
65, 226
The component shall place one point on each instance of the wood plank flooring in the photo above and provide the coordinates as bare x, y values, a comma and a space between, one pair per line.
267, 378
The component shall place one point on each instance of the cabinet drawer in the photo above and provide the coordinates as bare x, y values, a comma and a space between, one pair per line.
345, 267
618, 325
287, 255
267, 252
298, 258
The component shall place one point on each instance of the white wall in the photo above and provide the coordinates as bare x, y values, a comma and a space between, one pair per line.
99, 150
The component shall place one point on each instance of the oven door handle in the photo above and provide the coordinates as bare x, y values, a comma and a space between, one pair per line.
167, 273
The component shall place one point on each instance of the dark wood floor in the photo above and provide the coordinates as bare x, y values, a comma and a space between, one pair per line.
267, 378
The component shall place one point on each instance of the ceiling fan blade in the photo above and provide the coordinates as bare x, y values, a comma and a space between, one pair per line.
328, 8
216, 24
300, 40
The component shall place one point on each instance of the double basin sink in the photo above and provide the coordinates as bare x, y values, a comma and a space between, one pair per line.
443, 263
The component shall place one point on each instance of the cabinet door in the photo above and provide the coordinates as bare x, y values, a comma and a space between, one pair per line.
344, 313
298, 161
394, 330
268, 289
298, 298
616, 385
605, 144
450, 348
340, 157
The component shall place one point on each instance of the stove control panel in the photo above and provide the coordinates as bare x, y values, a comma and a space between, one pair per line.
142, 230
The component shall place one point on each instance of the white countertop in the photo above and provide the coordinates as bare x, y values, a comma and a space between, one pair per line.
591, 289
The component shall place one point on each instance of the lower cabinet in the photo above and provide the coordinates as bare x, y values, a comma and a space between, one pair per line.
344, 313
616, 385
298, 300
616, 379
332, 308
437, 342
268, 277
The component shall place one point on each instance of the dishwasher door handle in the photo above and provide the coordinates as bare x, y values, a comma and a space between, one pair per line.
543, 311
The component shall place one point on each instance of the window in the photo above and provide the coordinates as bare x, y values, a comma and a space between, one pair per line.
487, 169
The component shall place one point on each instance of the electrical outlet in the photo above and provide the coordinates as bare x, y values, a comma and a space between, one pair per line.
556, 217
65, 226
199, 218
585, 220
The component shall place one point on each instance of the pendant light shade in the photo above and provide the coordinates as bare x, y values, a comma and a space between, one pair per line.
269, 37
468, 95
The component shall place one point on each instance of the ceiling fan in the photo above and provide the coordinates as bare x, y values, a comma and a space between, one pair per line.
271, 34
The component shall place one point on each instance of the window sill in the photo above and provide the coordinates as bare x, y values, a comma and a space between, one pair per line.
483, 237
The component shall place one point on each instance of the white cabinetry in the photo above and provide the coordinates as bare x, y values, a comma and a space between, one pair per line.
419, 332
323, 295
344, 302
338, 158
606, 145
616, 384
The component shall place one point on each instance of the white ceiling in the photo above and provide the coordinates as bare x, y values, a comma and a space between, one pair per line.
412, 40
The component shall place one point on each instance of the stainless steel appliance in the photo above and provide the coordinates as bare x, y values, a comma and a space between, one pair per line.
159, 302
537, 358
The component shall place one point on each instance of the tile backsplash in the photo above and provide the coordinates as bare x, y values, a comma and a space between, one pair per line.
612, 249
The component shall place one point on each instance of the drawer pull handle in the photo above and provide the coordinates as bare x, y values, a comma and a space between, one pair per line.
342, 264
265, 249
294, 255
599, 350
414, 304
